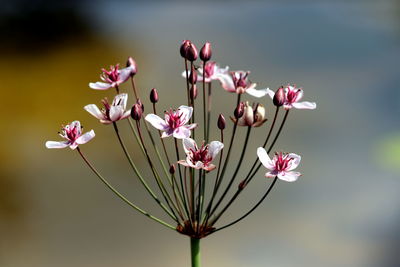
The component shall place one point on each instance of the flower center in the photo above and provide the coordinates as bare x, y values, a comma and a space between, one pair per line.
292, 95
111, 75
282, 162
175, 119
201, 155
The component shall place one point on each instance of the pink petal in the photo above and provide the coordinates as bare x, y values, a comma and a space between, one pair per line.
83, 139
124, 74
56, 144
305, 105
100, 86
295, 162
157, 122
264, 158
188, 145
289, 176
95, 111
227, 83
214, 148
186, 113
181, 133
300, 94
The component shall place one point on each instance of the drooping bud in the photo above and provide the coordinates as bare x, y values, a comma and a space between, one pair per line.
139, 102
193, 92
188, 50
221, 122
239, 110
279, 97
136, 112
132, 64
205, 52
193, 77
153, 96
172, 169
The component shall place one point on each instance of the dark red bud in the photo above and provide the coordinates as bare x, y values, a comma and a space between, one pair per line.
221, 122
239, 110
193, 92
193, 77
132, 63
184, 47
136, 112
188, 50
139, 102
242, 185
205, 52
172, 169
279, 97
153, 96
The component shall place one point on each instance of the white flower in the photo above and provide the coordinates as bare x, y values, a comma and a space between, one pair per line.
200, 158
292, 97
110, 114
239, 83
212, 72
281, 165
174, 122
74, 136
113, 77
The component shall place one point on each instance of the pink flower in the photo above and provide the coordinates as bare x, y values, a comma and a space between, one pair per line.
212, 72
113, 77
200, 158
174, 123
74, 136
110, 114
281, 165
239, 83
292, 97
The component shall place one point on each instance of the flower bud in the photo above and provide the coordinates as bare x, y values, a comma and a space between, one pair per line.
153, 96
172, 169
131, 63
205, 52
248, 115
279, 97
239, 110
188, 50
184, 47
193, 92
136, 112
193, 77
221, 122
139, 102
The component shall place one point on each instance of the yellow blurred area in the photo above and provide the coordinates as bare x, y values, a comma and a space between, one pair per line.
388, 152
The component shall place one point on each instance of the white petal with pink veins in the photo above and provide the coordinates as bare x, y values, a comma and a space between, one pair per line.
181, 133
264, 158
56, 144
186, 113
214, 148
100, 86
294, 162
305, 105
83, 139
189, 145
95, 111
120, 100
289, 176
227, 83
157, 122
116, 112
124, 74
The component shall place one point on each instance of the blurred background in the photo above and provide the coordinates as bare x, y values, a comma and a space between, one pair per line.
343, 211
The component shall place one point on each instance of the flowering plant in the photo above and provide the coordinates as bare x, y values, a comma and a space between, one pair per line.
194, 208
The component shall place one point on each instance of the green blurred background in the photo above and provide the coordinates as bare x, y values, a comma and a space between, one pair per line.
343, 211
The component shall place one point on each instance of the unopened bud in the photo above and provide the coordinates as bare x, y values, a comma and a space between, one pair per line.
139, 102
239, 110
153, 96
193, 77
188, 50
221, 122
136, 112
205, 52
132, 64
279, 97
184, 47
193, 92
172, 169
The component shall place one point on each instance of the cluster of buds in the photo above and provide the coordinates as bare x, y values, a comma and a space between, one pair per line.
181, 177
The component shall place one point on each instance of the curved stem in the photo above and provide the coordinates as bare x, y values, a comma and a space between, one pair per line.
120, 195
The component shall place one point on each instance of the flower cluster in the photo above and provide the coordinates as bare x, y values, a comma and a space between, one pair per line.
181, 179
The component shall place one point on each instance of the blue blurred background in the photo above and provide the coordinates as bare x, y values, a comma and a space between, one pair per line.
343, 211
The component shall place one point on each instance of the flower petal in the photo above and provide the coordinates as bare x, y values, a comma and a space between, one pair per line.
214, 148
186, 113
77, 125
116, 112
181, 132
184, 163
120, 100
189, 145
157, 122
100, 86
305, 105
257, 93
271, 174
83, 139
191, 126
295, 162
124, 74
94, 111
56, 144
209, 167
264, 158
289, 176
227, 83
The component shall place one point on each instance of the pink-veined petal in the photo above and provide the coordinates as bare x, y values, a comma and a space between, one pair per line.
214, 148
289, 176
157, 122
124, 74
189, 145
94, 111
57, 144
120, 100
181, 132
294, 162
84, 138
305, 105
116, 112
100, 86
265, 159
186, 113
227, 83
299, 95
257, 93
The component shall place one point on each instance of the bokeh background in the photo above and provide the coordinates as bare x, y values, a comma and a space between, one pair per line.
345, 209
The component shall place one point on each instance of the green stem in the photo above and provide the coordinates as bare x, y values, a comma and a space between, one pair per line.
195, 251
